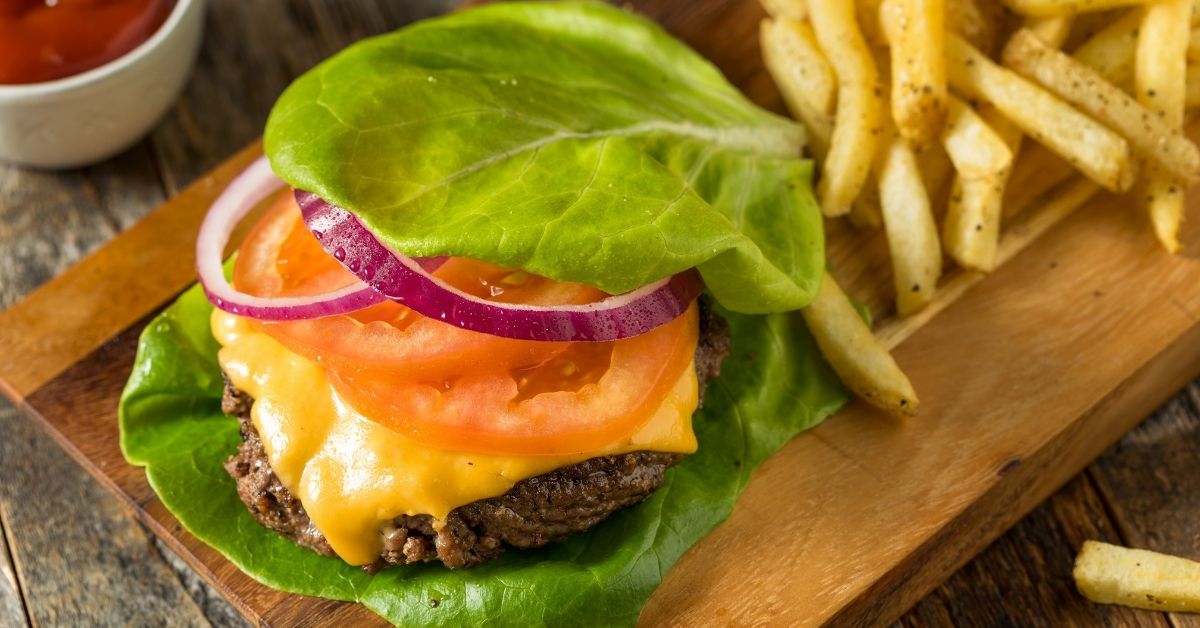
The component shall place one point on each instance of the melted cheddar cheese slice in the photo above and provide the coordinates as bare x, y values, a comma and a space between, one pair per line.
353, 475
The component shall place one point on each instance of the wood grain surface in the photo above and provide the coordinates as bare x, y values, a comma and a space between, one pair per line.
77, 558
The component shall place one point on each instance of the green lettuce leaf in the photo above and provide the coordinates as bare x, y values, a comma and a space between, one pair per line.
773, 386
577, 141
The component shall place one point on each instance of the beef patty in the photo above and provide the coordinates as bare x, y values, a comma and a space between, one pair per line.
539, 510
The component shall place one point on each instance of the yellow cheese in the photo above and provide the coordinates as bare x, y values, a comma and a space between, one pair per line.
353, 475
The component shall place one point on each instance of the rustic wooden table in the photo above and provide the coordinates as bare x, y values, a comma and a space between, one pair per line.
71, 555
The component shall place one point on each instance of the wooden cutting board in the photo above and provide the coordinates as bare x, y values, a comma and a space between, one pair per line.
1025, 376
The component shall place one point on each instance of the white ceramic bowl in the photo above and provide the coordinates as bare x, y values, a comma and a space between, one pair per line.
87, 117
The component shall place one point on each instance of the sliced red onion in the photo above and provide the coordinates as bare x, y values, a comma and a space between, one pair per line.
250, 187
403, 280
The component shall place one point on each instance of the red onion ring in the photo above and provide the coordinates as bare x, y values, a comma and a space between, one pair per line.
249, 188
402, 279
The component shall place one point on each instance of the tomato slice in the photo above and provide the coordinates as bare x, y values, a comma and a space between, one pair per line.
588, 396
462, 390
280, 257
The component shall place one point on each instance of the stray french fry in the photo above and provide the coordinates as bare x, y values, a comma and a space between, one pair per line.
1110, 574
795, 10
863, 365
1052, 8
1098, 152
1161, 81
982, 157
916, 31
1156, 137
909, 225
860, 111
804, 77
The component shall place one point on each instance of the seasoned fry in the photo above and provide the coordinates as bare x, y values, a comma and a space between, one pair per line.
860, 111
909, 225
804, 77
1098, 152
794, 10
1161, 80
916, 32
1083, 87
983, 158
1110, 574
863, 365
1051, 8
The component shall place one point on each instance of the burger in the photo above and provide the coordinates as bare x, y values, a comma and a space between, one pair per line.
521, 299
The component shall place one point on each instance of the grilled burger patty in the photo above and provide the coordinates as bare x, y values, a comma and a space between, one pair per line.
539, 510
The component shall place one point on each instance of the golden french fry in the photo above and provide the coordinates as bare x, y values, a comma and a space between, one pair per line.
1098, 152
803, 76
908, 222
1161, 82
1110, 574
1154, 136
1052, 30
974, 148
982, 157
1052, 8
795, 10
860, 112
863, 365
916, 32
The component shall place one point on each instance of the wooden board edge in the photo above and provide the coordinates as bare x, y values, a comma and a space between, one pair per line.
70, 316
1025, 485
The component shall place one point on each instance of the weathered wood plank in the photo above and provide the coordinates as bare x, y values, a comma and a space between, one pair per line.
1024, 578
82, 560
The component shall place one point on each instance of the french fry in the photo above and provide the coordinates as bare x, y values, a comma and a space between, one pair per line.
1052, 30
863, 365
908, 223
1110, 574
860, 111
795, 10
1052, 8
1161, 80
983, 158
916, 31
804, 77
1098, 152
1154, 136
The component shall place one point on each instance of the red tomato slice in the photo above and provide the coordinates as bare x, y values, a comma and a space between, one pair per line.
584, 398
281, 257
463, 390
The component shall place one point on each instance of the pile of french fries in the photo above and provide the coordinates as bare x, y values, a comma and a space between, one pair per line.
918, 113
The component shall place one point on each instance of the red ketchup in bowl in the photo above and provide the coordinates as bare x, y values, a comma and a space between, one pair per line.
44, 40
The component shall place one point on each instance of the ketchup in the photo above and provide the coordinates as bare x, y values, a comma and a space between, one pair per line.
43, 40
